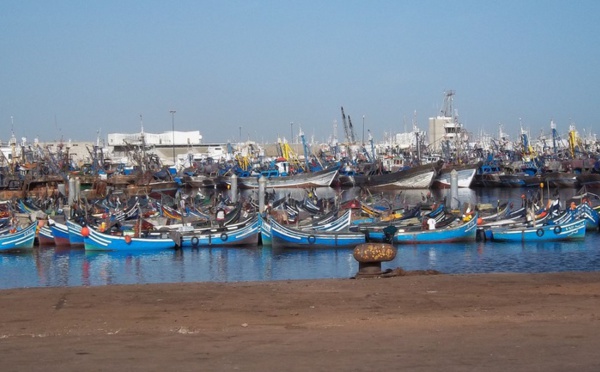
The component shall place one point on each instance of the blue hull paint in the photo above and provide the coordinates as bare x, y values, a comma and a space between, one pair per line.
285, 237
573, 230
97, 241
22, 239
265, 232
462, 233
60, 233
246, 235
75, 237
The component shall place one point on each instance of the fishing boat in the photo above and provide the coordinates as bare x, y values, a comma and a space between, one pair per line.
442, 228
465, 174
572, 230
60, 232
322, 178
418, 177
581, 205
462, 231
96, 241
338, 224
560, 179
75, 237
287, 237
266, 238
242, 234
20, 239
45, 237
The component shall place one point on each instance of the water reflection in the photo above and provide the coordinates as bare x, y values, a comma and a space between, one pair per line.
50, 267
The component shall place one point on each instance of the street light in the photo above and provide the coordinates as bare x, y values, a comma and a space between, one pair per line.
173, 131
240, 134
292, 132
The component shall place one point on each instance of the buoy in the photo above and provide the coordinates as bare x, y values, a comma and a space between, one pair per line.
127, 239
85, 232
480, 221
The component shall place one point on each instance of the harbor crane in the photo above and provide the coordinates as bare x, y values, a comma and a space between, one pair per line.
348, 128
351, 129
345, 125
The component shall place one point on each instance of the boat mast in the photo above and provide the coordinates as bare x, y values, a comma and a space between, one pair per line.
554, 135
143, 162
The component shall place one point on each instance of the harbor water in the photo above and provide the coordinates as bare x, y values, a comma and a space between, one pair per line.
52, 267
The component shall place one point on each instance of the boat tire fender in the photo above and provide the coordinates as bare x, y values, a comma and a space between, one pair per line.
224, 237
540, 232
557, 230
194, 241
311, 239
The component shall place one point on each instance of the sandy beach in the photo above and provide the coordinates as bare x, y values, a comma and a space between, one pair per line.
491, 322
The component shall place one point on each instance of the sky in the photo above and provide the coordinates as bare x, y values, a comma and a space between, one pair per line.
259, 70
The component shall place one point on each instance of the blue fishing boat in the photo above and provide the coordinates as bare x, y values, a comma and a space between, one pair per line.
75, 237
96, 241
246, 234
455, 232
449, 229
286, 237
339, 224
581, 207
266, 237
20, 239
45, 237
60, 231
572, 230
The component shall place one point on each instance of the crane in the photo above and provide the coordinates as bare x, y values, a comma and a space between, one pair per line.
351, 130
345, 125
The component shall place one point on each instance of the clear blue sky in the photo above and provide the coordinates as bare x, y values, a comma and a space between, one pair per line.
71, 68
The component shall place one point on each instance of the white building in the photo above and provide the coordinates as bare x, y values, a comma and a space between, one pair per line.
170, 138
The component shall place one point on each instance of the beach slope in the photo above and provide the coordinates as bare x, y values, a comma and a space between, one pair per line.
491, 322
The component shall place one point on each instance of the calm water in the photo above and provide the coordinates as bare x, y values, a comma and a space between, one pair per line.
75, 267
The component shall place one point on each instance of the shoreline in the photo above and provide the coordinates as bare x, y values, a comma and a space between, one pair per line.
491, 322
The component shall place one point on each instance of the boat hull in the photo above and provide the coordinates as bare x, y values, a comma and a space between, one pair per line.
465, 232
285, 237
574, 230
322, 178
60, 232
464, 177
247, 235
75, 237
19, 240
96, 241
45, 237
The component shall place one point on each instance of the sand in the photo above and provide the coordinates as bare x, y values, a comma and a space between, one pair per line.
490, 322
